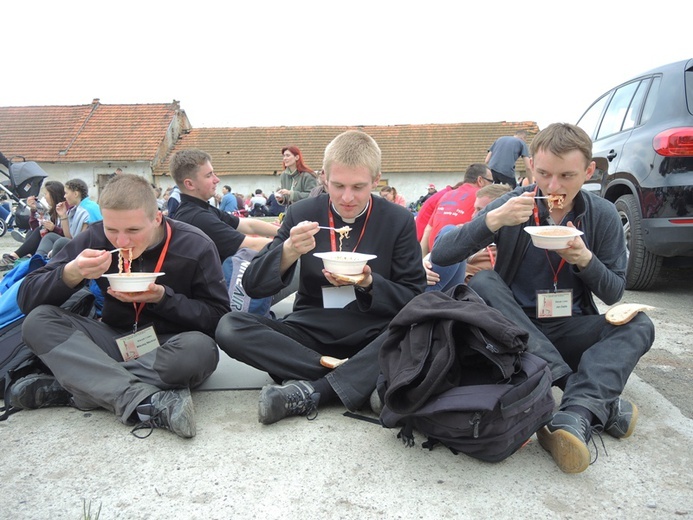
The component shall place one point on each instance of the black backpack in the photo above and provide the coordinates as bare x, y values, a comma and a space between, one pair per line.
17, 361
259, 210
457, 371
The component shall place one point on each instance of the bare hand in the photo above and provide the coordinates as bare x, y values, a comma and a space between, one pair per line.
90, 264
337, 282
432, 277
576, 253
515, 211
61, 209
31, 202
301, 238
153, 294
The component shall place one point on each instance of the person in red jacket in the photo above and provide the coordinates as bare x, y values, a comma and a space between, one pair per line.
456, 206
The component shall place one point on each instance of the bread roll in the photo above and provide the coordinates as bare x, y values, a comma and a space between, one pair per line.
331, 362
349, 278
624, 312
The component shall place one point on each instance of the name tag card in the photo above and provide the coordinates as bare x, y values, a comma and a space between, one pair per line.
337, 297
558, 304
135, 345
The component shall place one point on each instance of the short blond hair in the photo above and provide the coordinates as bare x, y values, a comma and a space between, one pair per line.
354, 149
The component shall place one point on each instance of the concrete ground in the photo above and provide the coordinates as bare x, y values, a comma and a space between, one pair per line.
57, 460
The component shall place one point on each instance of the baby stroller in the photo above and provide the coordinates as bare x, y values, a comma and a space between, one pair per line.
25, 179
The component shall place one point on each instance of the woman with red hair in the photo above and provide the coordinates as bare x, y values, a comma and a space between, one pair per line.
297, 179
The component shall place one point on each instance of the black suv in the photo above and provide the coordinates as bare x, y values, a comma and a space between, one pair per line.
643, 145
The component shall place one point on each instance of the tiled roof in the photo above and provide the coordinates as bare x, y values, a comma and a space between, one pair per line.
144, 132
406, 148
83, 133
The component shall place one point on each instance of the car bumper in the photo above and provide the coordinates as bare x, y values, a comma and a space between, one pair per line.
665, 237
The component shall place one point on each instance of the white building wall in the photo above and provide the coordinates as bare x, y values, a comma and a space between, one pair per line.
411, 186
89, 172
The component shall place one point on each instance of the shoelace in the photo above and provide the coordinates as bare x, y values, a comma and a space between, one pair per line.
298, 403
141, 426
153, 422
596, 430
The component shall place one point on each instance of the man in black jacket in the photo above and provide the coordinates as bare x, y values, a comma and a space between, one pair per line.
331, 317
194, 175
169, 324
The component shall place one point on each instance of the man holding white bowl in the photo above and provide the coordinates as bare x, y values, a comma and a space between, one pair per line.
548, 290
336, 316
153, 343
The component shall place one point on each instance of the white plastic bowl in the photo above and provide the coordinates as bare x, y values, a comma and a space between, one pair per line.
131, 282
552, 237
344, 262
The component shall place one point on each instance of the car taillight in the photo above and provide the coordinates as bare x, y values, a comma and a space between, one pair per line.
675, 142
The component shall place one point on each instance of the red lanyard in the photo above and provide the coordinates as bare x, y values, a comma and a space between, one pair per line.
555, 272
157, 269
333, 237
491, 256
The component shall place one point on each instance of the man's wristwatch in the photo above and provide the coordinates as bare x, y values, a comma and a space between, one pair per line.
364, 290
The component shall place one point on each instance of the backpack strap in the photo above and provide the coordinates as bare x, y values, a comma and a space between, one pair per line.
406, 434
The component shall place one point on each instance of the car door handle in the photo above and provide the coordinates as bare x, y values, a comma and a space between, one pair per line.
611, 155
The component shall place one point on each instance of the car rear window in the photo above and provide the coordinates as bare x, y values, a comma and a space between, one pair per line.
651, 101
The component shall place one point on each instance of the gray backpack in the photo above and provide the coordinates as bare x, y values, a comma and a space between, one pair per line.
457, 371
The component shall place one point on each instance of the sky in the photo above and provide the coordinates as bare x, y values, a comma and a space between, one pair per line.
332, 62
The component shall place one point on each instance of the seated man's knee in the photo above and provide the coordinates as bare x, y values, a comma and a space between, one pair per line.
490, 286
34, 327
483, 279
187, 359
442, 231
230, 333
641, 326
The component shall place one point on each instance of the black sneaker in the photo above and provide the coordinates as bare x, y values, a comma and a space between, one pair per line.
291, 398
622, 418
37, 391
169, 409
7, 262
566, 437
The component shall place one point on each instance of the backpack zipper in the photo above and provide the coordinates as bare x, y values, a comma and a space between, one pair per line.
474, 421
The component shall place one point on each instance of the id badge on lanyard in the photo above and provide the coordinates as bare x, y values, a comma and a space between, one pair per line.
144, 340
553, 303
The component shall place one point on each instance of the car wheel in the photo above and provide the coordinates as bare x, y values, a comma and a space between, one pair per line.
643, 266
